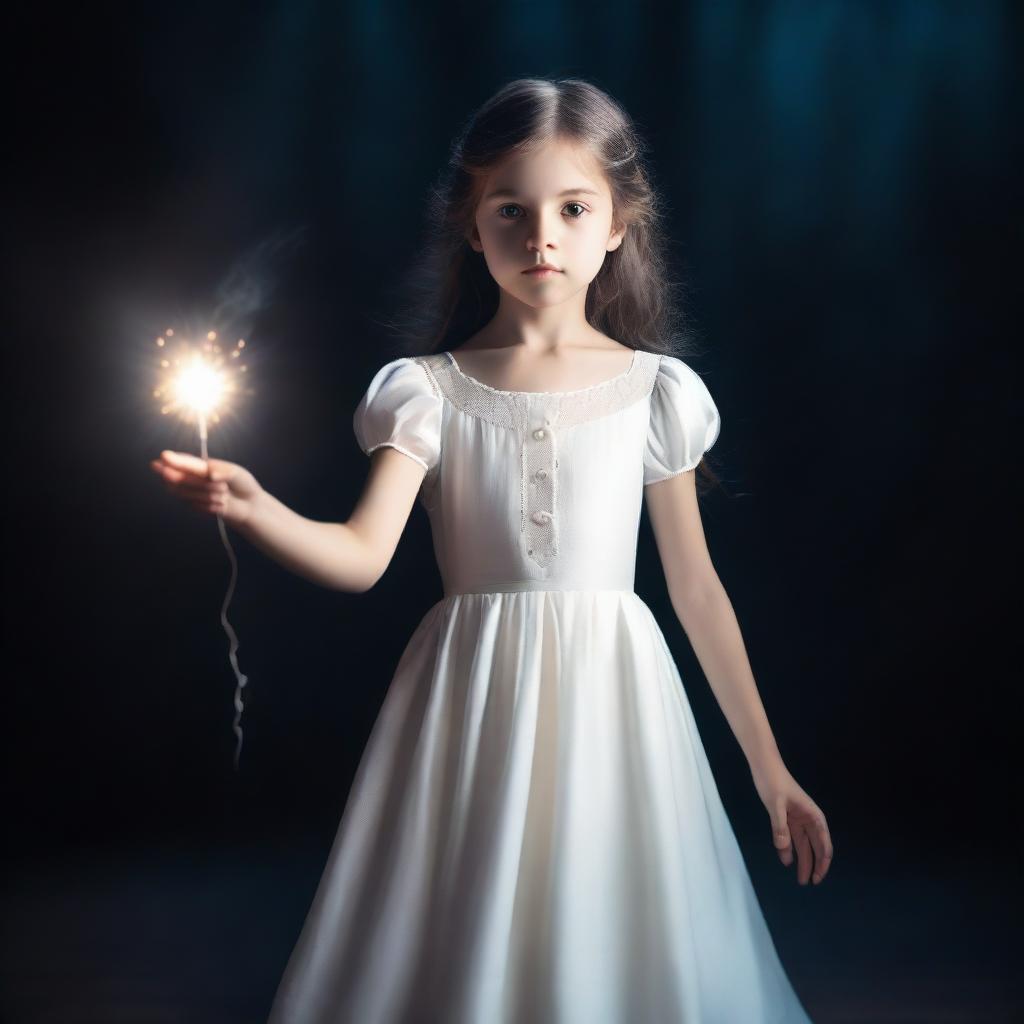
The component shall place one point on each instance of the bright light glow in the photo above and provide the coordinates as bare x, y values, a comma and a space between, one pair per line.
198, 379
200, 387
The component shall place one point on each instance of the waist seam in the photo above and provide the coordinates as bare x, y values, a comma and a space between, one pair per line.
518, 588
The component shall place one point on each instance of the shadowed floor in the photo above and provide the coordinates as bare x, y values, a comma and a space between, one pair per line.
201, 935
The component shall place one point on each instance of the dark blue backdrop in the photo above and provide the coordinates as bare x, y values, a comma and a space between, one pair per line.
838, 182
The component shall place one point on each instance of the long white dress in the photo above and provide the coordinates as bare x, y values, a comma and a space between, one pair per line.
534, 835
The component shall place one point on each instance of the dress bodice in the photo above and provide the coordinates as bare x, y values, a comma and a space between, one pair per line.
537, 490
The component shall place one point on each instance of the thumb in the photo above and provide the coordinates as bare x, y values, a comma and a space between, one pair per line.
780, 827
221, 471
185, 461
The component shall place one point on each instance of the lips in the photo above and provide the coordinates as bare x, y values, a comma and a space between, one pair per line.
540, 269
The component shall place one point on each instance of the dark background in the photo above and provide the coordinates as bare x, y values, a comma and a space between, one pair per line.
838, 183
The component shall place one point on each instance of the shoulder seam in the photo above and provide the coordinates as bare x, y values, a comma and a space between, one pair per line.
431, 379
656, 374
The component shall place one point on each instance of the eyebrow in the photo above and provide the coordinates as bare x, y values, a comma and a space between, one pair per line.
566, 192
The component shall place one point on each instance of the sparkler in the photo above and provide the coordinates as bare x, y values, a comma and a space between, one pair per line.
197, 386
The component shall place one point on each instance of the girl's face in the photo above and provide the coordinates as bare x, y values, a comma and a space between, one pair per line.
552, 206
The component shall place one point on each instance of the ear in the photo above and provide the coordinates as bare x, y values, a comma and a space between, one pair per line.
474, 240
615, 238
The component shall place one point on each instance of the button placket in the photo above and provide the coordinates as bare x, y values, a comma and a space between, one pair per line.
539, 522
524, 412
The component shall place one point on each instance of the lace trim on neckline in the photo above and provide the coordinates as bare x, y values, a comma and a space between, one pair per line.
573, 391
527, 410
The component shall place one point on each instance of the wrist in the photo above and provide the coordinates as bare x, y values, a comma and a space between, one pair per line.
765, 759
258, 508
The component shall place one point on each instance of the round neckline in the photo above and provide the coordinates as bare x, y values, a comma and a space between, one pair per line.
574, 391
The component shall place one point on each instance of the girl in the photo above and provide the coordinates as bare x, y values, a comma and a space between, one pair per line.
533, 833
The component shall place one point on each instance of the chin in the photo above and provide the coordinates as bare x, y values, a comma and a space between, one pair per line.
541, 302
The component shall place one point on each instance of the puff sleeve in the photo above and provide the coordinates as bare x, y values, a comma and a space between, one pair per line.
684, 421
401, 409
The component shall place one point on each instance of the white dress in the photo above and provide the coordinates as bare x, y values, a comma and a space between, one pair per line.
534, 835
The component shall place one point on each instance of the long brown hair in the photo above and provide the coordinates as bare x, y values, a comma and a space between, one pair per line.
449, 293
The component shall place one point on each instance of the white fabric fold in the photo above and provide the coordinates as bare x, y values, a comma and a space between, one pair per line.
684, 421
534, 836
401, 410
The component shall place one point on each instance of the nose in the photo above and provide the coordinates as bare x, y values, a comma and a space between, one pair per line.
543, 233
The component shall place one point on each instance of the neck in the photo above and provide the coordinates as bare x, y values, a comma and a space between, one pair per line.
544, 330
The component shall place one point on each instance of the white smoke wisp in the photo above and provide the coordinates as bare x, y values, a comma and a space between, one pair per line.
248, 285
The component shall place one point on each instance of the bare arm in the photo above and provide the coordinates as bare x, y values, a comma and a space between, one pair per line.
709, 620
349, 556
706, 614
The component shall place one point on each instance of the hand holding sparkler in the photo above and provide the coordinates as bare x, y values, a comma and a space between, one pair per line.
212, 486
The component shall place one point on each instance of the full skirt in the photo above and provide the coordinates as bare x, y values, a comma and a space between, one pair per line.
534, 836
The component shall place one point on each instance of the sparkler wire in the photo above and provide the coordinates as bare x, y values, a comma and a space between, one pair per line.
232, 656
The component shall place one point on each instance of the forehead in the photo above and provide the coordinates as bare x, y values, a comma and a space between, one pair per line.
546, 169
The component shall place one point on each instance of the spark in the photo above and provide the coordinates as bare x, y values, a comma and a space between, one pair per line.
198, 379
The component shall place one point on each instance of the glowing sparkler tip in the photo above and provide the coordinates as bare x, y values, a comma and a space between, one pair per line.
199, 386
196, 380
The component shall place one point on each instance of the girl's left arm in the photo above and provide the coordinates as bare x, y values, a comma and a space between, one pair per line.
707, 616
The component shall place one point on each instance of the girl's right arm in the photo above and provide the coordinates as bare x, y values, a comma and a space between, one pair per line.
348, 556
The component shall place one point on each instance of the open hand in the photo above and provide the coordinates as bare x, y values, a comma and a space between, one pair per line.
796, 821
215, 487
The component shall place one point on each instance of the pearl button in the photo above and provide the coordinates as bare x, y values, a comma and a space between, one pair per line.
540, 474
540, 433
540, 518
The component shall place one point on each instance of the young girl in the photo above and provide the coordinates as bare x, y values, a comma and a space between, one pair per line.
534, 834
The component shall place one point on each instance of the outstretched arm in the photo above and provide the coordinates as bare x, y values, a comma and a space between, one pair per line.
707, 616
348, 556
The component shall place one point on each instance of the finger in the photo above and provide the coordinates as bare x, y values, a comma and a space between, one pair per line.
208, 507
185, 461
781, 835
201, 495
804, 854
221, 471
192, 488
822, 849
176, 475
165, 470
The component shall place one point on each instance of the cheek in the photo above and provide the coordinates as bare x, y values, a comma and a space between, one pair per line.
506, 251
587, 248
496, 241
597, 237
